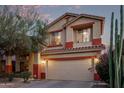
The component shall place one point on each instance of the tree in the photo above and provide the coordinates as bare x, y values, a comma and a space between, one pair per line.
39, 36
20, 35
8, 24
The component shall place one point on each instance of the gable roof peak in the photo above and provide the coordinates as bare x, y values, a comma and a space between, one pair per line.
86, 16
61, 17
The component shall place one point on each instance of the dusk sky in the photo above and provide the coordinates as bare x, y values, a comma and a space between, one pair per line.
53, 12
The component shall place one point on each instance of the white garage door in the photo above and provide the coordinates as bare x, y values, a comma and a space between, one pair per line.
70, 70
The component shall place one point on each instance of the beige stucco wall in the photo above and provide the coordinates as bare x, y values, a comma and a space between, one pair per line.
31, 62
50, 48
97, 29
72, 55
70, 34
17, 66
35, 58
57, 26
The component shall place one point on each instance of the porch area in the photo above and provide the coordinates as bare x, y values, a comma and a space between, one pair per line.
31, 63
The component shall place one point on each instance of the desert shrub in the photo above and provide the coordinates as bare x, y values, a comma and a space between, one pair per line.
26, 75
10, 77
7, 76
102, 68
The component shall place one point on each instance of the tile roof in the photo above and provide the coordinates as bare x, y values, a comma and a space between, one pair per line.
74, 50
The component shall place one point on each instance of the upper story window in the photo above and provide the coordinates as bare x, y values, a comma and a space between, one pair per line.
83, 35
55, 38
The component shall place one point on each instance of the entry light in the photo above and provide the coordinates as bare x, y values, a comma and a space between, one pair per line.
58, 37
96, 60
84, 33
43, 61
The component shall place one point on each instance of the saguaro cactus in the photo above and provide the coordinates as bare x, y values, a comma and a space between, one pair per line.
115, 55
111, 54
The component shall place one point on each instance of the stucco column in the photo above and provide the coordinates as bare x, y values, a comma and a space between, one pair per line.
69, 38
9, 64
37, 66
17, 64
30, 63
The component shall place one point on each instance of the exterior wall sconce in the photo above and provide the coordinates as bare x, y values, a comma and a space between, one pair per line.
96, 60
43, 61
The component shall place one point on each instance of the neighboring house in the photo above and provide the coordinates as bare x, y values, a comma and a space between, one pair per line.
73, 47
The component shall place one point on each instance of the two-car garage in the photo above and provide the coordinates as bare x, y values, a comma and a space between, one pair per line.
70, 70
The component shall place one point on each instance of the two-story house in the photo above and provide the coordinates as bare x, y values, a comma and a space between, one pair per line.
74, 45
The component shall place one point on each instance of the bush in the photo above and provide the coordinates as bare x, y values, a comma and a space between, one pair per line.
17, 75
102, 68
26, 75
10, 77
7, 76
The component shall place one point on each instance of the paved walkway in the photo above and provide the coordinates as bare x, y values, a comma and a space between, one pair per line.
58, 84
18, 83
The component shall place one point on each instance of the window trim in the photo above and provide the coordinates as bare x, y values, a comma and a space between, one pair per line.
50, 37
91, 34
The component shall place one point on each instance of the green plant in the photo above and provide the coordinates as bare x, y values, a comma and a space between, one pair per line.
20, 35
26, 75
10, 77
17, 74
115, 58
102, 68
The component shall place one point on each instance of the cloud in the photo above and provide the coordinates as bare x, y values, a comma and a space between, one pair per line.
25, 10
77, 6
46, 17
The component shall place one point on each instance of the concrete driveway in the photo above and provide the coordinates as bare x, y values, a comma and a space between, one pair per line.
58, 84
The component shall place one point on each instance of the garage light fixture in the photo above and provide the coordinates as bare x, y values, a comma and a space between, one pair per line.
43, 61
96, 60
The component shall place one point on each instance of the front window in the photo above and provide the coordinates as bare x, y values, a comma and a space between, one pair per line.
55, 38
83, 35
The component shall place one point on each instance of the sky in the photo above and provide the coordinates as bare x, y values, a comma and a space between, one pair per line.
54, 11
